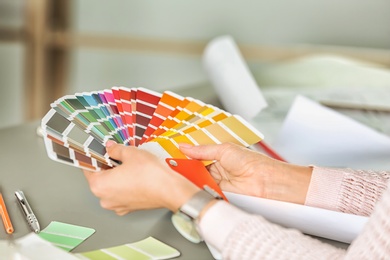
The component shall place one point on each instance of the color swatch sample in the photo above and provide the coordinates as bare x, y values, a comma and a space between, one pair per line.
65, 236
78, 126
146, 249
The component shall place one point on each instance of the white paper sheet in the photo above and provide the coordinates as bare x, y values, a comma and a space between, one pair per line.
32, 247
231, 78
314, 134
309, 220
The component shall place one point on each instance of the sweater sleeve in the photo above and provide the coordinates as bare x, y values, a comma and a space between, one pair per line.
346, 190
240, 235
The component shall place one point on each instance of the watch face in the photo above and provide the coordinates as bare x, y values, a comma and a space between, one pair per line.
186, 227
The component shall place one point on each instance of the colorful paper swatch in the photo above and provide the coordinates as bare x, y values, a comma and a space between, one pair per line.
65, 236
78, 126
146, 249
196, 172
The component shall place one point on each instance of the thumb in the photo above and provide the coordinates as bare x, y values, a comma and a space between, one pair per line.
89, 175
202, 152
114, 150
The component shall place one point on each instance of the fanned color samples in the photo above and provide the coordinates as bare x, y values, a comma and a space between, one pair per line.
77, 127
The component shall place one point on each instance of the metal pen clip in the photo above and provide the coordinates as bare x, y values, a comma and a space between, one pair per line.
29, 214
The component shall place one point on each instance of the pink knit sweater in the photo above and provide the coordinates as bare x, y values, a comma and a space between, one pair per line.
246, 236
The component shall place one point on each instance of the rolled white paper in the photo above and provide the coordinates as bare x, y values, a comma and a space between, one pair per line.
232, 79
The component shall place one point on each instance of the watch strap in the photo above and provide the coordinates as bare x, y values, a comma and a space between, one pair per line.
194, 206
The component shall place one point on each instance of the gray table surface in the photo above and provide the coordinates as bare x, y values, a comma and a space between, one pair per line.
59, 192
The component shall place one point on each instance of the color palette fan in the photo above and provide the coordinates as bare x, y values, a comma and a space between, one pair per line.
77, 127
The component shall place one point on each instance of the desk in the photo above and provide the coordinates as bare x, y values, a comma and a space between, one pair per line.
58, 192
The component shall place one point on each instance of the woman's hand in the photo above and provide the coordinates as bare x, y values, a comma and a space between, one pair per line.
241, 170
142, 181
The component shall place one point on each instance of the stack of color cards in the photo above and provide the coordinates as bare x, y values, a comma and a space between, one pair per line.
78, 126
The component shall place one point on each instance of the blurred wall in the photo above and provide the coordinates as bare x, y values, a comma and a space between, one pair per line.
11, 83
11, 65
357, 23
349, 22
343, 23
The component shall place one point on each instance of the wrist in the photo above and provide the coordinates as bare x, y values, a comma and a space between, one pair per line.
293, 183
186, 219
198, 204
206, 208
178, 192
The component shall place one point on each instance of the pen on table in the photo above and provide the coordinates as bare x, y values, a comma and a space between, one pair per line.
352, 106
270, 151
4, 216
29, 214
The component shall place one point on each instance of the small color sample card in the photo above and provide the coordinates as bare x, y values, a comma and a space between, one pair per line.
146, 249
65, 236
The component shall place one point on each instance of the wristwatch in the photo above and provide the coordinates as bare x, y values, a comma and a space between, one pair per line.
185, 218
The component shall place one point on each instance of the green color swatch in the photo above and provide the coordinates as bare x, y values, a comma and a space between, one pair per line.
65, 236
146, 249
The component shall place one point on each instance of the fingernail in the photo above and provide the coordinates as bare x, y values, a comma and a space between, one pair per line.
110, 143
185, 145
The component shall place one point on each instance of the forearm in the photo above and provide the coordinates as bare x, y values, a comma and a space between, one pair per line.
239, 235
346, 190
289, 183
373, 241
179, 192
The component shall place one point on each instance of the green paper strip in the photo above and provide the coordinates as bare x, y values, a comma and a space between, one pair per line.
146, 249
65, 236
155, 248
125, 252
